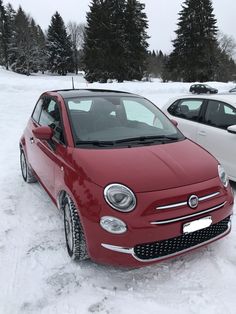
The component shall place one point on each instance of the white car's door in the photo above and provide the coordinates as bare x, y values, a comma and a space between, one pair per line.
213, 134
186, 112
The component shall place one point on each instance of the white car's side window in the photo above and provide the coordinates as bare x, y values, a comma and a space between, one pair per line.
220, 115
188, 109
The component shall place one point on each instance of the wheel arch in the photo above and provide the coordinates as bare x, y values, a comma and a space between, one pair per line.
60, 201
60, 204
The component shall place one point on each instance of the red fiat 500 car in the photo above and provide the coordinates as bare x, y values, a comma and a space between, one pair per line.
132, 188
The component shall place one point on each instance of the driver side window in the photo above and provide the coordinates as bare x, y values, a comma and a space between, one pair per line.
188, 109
50, 116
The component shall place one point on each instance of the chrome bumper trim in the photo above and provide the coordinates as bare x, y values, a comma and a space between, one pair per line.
162, 222
119, 249
130, 251
201, 199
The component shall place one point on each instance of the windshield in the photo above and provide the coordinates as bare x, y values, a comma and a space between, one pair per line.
104, 121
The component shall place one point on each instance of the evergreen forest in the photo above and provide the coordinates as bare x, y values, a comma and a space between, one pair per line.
113, 44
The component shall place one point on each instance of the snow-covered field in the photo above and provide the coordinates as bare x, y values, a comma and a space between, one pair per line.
36, 274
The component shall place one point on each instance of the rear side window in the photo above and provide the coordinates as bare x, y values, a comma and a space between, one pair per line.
187, 109
220, 115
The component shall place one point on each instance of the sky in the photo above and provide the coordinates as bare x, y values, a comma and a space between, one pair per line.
162, 16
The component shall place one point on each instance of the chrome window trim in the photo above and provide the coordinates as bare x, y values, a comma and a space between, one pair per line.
162, 222
130, 251
201, 199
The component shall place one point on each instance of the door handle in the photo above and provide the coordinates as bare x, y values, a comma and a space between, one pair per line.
202, 133
32, 140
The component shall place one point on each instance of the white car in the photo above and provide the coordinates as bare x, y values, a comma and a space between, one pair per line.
209, 121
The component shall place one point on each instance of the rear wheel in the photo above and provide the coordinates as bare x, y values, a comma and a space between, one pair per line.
75, 239
25, 169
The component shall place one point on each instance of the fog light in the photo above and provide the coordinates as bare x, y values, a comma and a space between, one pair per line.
113, 225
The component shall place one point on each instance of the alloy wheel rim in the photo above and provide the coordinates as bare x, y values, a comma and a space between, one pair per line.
68, 227
23, 165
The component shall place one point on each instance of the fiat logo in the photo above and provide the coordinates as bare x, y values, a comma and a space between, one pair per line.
193, 201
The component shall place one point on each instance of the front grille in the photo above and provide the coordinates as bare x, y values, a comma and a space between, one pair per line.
160, 249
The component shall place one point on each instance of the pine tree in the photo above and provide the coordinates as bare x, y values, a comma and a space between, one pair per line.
4, 36
42, 50
155, 63
136, 39
194, 57
104, 41
58, 46
93, 48
23, 49
38, 50
115, 40
116, 44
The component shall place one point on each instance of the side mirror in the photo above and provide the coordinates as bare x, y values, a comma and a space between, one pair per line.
232, 129
174, 122
43, 133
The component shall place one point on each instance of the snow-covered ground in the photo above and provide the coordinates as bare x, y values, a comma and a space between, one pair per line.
36, 274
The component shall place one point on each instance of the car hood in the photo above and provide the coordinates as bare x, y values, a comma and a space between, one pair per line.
147, 168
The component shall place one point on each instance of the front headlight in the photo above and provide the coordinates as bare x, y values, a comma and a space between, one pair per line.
223, 176
120, 197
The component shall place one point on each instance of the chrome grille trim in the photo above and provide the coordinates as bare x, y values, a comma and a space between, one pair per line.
130, 250
208, 196
162, 222
201, 199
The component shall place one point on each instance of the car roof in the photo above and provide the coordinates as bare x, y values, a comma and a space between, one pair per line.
74, 93
228, 98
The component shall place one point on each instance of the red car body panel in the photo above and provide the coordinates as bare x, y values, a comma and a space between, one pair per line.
158, 174
150, 168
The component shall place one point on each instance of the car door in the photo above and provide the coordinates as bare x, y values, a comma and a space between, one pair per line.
187, 113
213, 134
204, 89
43, 155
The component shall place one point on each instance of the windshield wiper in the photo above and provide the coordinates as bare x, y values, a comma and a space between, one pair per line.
140, 139
152, 138
95, 143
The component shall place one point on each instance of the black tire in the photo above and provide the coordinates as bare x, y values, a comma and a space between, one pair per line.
74, 234
26, 171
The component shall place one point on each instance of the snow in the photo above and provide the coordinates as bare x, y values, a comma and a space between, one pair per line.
35, 272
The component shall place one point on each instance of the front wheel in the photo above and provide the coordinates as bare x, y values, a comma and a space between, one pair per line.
75, 239
25, 169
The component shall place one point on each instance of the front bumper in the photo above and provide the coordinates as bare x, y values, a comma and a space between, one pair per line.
155, 234
157, 251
